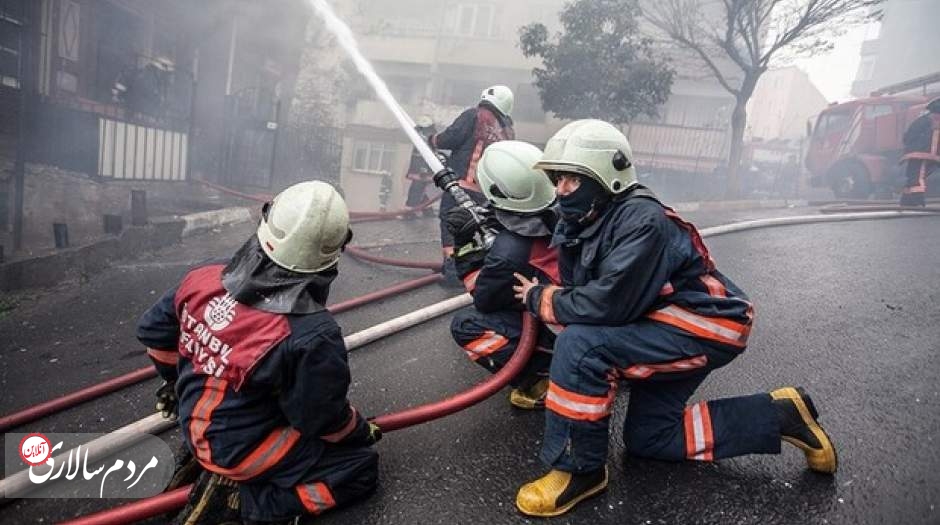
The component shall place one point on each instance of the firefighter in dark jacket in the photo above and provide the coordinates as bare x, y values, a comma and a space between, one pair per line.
921, 154
467, 138
257, 369
519, 199
641, 301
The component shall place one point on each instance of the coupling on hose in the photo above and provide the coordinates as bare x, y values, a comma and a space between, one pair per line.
448, 181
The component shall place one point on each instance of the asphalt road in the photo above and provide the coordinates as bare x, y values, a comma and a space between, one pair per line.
846, 310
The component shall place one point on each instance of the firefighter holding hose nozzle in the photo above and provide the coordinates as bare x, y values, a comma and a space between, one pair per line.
642, 302
467, 138
521, 220
256, 369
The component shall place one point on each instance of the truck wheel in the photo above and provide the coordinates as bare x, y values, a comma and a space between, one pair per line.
850, 180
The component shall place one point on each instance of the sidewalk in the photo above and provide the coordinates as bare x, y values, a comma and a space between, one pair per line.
51, 268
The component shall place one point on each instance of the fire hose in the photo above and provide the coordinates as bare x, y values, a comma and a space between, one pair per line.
175, 499
155, 423
172, 500
58, 404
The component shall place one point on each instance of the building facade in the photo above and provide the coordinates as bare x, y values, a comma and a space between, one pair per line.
100, 98
784, 100
437, 57
902, 46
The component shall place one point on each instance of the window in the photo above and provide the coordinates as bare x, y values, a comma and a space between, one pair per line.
462, 91
865, 68
878, 110
11, 23
117, 49
833, 123
476, 20
373, 157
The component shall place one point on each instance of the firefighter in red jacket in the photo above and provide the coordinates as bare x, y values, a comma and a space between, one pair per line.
256, 367
641, 301
921, 154
475, 129
520, 200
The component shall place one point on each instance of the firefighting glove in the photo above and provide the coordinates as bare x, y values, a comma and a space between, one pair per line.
462, 225
167, 402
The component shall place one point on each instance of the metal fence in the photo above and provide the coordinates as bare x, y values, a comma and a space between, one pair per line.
308, 153
131, 151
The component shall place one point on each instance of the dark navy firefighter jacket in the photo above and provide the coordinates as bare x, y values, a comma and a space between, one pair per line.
490, 279
474, 130
640, 260
259, 393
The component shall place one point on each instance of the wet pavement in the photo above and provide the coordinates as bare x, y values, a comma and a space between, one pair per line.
847, 310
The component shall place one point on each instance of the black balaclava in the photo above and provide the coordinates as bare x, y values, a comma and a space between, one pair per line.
539, 224
580, 207
255, 280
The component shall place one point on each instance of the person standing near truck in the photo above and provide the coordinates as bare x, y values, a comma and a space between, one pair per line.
921, 154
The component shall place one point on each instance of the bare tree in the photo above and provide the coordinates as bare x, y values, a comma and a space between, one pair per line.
737, 40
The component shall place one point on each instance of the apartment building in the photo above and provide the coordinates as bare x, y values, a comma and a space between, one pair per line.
100, 98
437, 56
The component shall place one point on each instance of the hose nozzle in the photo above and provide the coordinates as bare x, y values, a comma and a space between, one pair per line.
448, 181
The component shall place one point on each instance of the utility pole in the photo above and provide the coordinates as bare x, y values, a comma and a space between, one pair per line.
26, 85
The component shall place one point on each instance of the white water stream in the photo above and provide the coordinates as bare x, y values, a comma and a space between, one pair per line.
348, 42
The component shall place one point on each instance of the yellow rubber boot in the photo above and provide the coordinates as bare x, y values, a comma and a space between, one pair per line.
532, 398
558, 492
799, 427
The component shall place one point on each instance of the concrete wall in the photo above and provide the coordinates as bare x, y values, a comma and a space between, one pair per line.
53, 195
48, 269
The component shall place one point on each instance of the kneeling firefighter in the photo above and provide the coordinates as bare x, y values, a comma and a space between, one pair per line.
519, 199
641, 301
256, 367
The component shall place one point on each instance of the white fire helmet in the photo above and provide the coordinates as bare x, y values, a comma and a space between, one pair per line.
508, 180
592, 148
305, 227
500, 97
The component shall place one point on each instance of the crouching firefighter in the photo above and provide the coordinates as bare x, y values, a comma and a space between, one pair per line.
519, 199
921, 154
259, 369
641, 301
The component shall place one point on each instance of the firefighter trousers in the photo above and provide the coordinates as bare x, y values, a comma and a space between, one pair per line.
343, 475
491, 339
664, 367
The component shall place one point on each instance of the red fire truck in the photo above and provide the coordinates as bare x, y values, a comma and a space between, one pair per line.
854, 147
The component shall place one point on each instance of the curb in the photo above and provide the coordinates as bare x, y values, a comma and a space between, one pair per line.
51, 269
196, 223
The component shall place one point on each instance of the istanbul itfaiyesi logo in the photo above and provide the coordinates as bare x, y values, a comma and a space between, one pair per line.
220, 312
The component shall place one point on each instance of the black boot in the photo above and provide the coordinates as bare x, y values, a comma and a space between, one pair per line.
213, 500
799, 427
186, 469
